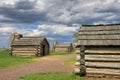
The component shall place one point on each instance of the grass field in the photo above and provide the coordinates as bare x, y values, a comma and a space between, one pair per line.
51, 76
7, 60
70, 61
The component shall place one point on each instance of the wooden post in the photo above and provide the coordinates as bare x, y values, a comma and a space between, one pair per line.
82, 61
77, 63
10, 50
36, 51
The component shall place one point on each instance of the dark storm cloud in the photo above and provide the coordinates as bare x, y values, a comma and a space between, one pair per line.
21, 16
22, 12
62, 11
110, 8
25, 4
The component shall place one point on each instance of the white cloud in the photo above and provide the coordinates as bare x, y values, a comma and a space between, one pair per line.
7, 2
53, 29
36, 32
5, 28
51, 38
40, 5
10, 28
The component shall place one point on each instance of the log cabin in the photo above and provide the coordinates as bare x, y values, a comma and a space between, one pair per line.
62, 46
98, 50
28, 46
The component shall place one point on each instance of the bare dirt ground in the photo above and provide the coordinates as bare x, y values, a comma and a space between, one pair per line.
42, 65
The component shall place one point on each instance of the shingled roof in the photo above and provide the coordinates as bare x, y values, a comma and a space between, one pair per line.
99, 35
28, 41
63, 44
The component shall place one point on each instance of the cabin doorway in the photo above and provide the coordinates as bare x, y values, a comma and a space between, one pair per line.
43, 47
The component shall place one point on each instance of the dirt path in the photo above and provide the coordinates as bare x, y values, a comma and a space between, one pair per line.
44, 64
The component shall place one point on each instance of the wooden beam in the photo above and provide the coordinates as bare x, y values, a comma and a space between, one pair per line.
103, 65
103, 71
103, 56
103, 51
77, 51
20, 49
99, 32
24, 51
78, 57
102, 59
24, 54
99, 37
77, 70
77, 63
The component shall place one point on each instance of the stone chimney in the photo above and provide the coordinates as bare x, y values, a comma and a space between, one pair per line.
15, 37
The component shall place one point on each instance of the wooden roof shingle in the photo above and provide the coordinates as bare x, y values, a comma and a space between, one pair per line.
28, 41
99, 35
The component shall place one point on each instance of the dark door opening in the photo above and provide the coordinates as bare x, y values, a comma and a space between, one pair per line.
43, 50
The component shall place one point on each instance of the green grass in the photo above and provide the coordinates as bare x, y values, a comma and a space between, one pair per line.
51, 76
6, 60
70, 61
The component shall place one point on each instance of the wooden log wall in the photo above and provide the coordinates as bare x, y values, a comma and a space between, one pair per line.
30, 50
38, 50
103, 60
100, 60
24, 50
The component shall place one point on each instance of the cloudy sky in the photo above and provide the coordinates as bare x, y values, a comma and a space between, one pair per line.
55, 19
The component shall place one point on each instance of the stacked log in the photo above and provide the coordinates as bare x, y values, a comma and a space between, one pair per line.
77, 64
24, 50
103, 61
